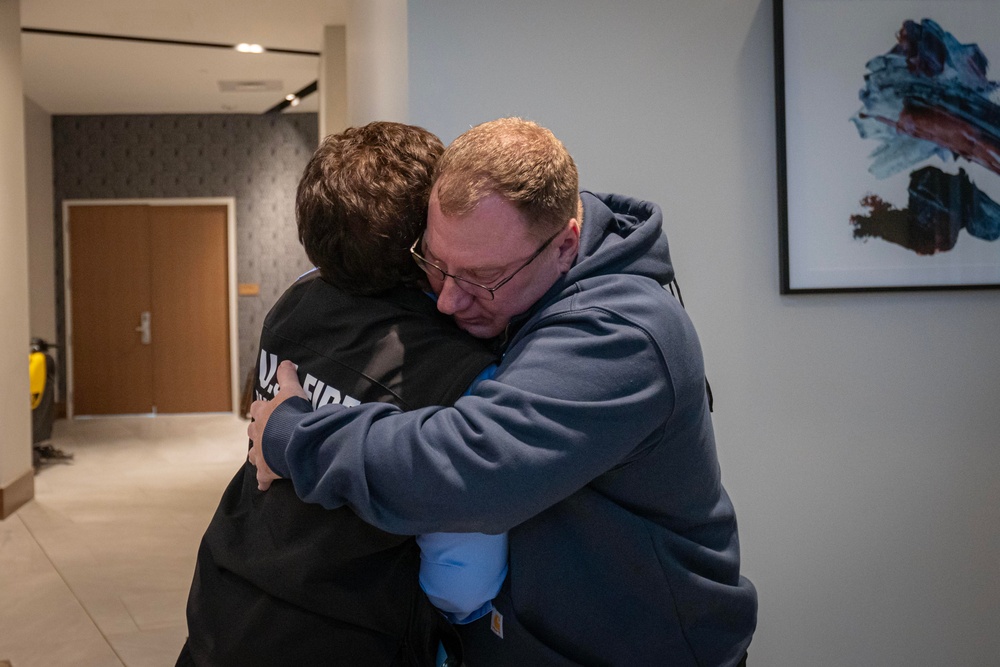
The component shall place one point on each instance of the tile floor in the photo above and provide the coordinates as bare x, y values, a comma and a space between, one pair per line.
95, 570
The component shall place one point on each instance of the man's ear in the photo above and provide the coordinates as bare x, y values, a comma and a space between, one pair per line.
569, 245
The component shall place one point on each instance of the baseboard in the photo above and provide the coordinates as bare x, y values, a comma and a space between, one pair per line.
17, 493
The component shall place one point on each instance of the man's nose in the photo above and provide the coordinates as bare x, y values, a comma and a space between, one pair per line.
452, 298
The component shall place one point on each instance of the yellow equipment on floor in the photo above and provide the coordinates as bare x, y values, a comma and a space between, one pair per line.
42, 372
37, 367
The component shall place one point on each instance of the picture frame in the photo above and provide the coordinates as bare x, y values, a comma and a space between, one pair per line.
888, 144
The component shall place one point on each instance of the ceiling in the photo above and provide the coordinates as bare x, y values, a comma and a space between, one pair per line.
68, 75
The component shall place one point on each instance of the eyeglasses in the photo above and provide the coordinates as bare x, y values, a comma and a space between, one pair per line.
434, 271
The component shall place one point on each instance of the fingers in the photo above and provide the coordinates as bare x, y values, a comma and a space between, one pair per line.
288, 379
260, 411
263, 480
255, 411
264, 473
252, 430
252, 456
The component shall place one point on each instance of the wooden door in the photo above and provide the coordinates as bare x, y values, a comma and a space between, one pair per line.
190, 309
167, 261
109, 270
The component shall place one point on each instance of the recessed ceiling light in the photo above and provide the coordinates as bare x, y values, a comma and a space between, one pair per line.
249, 48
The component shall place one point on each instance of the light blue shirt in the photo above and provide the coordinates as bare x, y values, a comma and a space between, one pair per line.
461, 573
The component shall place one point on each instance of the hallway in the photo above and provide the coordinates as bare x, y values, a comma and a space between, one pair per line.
95, 570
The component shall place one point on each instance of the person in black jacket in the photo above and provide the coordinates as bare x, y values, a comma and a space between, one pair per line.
280, 582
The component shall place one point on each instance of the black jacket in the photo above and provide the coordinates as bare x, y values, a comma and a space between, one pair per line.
282, 582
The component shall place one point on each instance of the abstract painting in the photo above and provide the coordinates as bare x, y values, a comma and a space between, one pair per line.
888, 144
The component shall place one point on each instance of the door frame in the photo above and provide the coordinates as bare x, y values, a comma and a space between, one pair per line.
230, 204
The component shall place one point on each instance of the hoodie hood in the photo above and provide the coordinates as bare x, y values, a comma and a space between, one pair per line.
621, 235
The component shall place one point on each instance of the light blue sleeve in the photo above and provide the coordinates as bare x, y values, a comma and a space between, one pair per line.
461, 573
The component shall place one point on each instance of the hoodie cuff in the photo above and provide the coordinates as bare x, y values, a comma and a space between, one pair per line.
278, 432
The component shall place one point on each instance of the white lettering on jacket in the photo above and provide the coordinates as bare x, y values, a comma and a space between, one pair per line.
319, 392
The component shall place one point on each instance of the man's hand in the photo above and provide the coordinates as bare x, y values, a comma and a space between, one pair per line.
260, 411
264, 473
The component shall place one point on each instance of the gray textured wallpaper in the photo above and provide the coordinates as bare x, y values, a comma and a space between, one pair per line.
255, 159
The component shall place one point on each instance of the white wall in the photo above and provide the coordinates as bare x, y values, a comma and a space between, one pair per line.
859, 434
41, 220
333, 82
15, 410
376, 61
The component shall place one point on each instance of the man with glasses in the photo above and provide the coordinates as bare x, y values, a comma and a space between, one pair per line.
592, 445
434, 271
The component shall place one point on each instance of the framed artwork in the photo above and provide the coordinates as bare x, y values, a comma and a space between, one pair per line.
888, 144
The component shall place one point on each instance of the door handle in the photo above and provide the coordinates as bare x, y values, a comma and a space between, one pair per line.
145, 319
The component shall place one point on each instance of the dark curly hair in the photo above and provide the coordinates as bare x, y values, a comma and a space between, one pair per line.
362, 201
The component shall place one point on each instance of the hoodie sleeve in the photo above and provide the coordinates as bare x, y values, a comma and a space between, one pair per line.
579, 394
